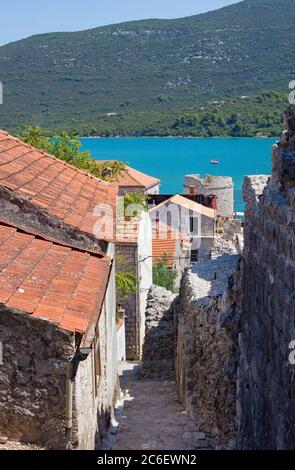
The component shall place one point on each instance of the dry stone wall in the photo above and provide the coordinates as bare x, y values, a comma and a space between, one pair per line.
266, 380
158, 349
32, 379
207, 353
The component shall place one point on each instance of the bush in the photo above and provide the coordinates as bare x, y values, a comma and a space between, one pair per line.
134, 204
67, 148
163, 275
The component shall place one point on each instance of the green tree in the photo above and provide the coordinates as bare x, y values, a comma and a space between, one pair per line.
34, 135
163, 275
134, 204
126, 282
67, 148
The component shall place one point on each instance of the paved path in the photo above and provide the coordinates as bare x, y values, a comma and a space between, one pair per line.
153, 418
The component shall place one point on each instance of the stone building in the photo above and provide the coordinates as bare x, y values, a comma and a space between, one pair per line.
220, 186
183, 229
174, 246
134, 250
57, 298
131, 180
266, 400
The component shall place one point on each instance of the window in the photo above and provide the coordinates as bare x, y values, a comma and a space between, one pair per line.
192, 190
194, 256
194, 224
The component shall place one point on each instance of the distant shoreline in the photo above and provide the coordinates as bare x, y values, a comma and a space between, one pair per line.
176, 137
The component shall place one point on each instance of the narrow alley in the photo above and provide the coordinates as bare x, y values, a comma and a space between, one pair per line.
153, 418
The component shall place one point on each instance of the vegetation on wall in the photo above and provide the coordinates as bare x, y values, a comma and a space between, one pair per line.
163, 275
126, 282
134, 203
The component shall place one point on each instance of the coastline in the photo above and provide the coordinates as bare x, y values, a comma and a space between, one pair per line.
176, 137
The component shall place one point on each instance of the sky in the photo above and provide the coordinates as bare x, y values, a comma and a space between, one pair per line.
23, 18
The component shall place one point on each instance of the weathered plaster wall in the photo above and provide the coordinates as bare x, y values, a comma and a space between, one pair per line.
207, 228
32, 379
158, 349
266, 379
94, 402
133, 189
206, 360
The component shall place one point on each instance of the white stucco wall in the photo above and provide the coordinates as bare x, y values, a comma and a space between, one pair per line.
154, 189
121, 343
111, 332
93, 410
145, 269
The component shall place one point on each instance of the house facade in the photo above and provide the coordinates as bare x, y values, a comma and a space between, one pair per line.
182, 228
58, 380
131, 180
134, 247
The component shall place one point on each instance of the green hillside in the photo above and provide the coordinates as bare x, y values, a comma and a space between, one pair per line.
148, 72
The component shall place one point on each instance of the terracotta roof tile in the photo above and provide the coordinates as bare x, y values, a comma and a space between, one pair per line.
134, 178
165, 241
188, 204
57, 283
165, 246
60, 189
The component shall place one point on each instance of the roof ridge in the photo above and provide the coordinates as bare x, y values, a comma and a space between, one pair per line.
41, 236
16, 139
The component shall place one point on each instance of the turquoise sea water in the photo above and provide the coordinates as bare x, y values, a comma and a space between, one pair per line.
170, 159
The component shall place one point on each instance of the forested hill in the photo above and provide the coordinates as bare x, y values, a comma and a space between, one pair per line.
77, 80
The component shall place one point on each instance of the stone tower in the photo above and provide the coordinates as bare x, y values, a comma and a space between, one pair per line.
220, 186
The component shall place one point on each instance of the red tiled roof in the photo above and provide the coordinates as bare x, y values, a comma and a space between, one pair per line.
165, 242
53, 282
164, 246
62, 190
188, 204
134, 178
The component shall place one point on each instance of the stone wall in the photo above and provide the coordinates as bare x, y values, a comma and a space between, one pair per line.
220, 186
158, 349
94, 401
265, 377
127, 252
32, 379
207, 354
33, 384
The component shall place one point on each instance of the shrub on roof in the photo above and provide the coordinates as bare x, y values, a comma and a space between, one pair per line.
68, 149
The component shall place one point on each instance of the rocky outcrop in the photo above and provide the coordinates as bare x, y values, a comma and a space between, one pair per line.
158, 349
207, 345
